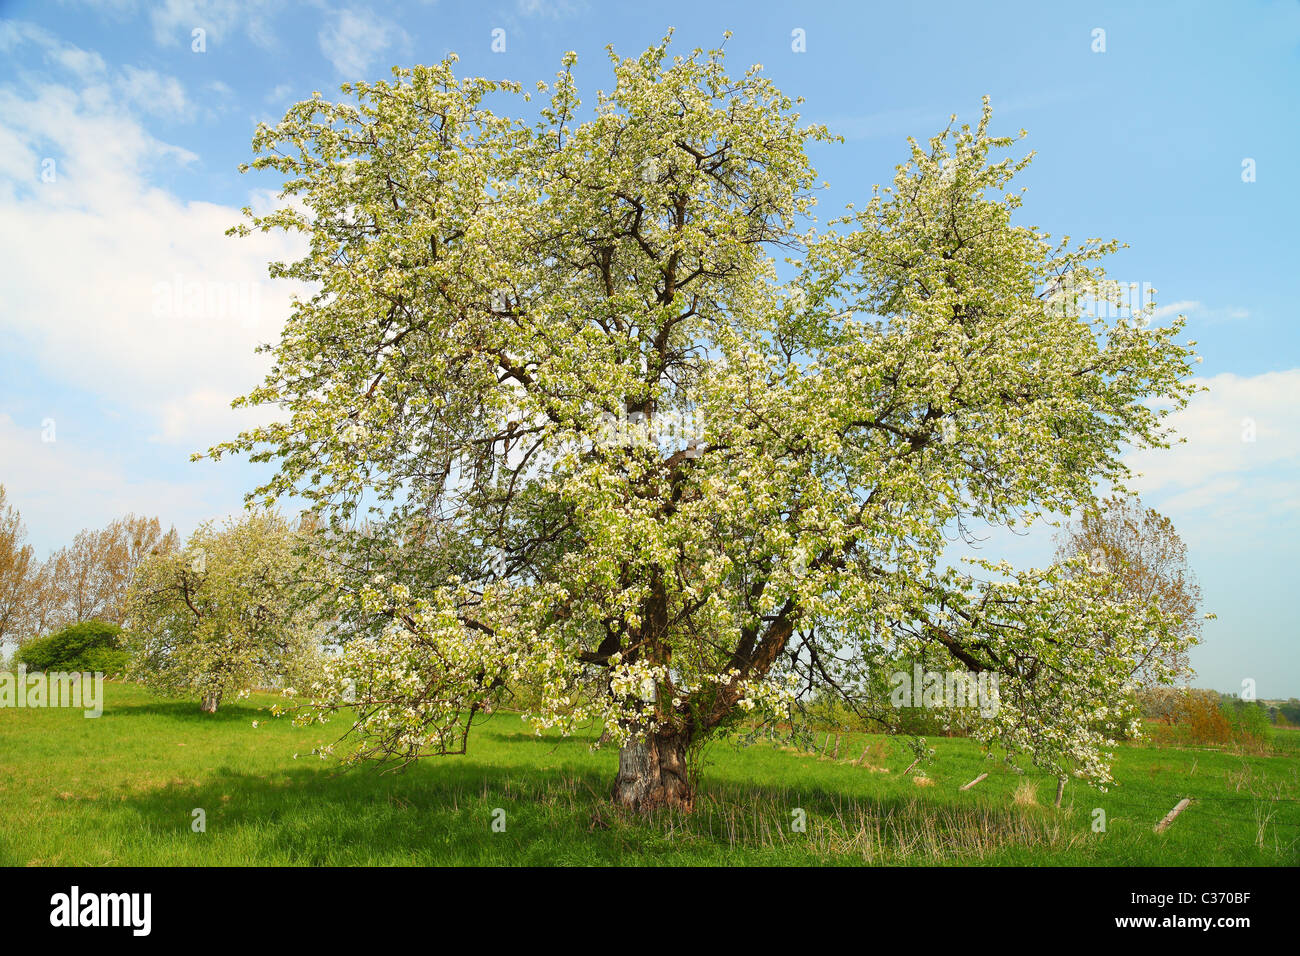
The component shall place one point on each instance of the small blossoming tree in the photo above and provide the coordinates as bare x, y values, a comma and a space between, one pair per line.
1144, 551
568, 429
224, 614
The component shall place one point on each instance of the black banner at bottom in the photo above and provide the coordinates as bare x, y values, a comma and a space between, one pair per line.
341, 906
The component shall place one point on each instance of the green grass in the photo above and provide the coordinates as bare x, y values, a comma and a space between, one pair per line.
120, 789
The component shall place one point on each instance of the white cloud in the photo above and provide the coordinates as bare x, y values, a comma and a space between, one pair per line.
551, 9
154, 93
202, 417
1198, 310
174, 20
62, 486
79, 61
82, 63
1220, 472
147, 90
16, 32
1176, 308
115, 286
354, 41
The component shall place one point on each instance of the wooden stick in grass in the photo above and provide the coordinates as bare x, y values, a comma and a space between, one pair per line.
1169, 817
1060, 790
911, 765
975, 781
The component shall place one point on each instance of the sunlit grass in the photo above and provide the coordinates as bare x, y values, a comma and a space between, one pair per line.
121, 789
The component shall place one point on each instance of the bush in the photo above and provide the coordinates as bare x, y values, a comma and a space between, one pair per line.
1249, 721
1204, 717
1289, 712
88, 646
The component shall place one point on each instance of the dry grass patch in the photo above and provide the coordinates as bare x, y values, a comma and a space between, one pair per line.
1026, 794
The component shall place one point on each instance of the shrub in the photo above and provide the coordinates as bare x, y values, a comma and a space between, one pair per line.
1289, 712
88, 646
1249, 722
1203, 719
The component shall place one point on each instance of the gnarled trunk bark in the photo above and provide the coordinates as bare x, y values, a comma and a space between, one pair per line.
652, 773
210, 701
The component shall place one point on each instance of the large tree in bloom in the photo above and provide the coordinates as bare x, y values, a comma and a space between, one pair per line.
569, 430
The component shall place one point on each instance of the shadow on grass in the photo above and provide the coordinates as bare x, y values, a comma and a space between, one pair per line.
424, 814
444, 813
188, 712
519, 738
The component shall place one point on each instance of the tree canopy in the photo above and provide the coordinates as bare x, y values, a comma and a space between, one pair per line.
224, 614
1141, 547
590, 404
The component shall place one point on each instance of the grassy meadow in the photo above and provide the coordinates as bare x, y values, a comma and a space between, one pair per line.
121, 790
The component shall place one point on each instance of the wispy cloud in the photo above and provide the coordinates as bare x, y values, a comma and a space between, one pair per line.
173, 21
279, 93
1241, 458
145, 90
1184, 307
152, 92
65, 485
1199, 311
104, 270
550, 9
354, 41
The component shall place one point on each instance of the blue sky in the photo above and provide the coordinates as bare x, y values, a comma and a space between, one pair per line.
119, 144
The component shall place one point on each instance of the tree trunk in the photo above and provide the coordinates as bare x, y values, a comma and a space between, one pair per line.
210, 701
652, 773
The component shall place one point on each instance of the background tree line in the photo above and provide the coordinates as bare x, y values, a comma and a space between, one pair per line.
224, 613
240, 606
83, 581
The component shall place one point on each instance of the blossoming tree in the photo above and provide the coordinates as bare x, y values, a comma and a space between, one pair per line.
1144, 551
572, 426
223, 615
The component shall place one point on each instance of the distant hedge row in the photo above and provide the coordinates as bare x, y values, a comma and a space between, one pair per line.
1199, 716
